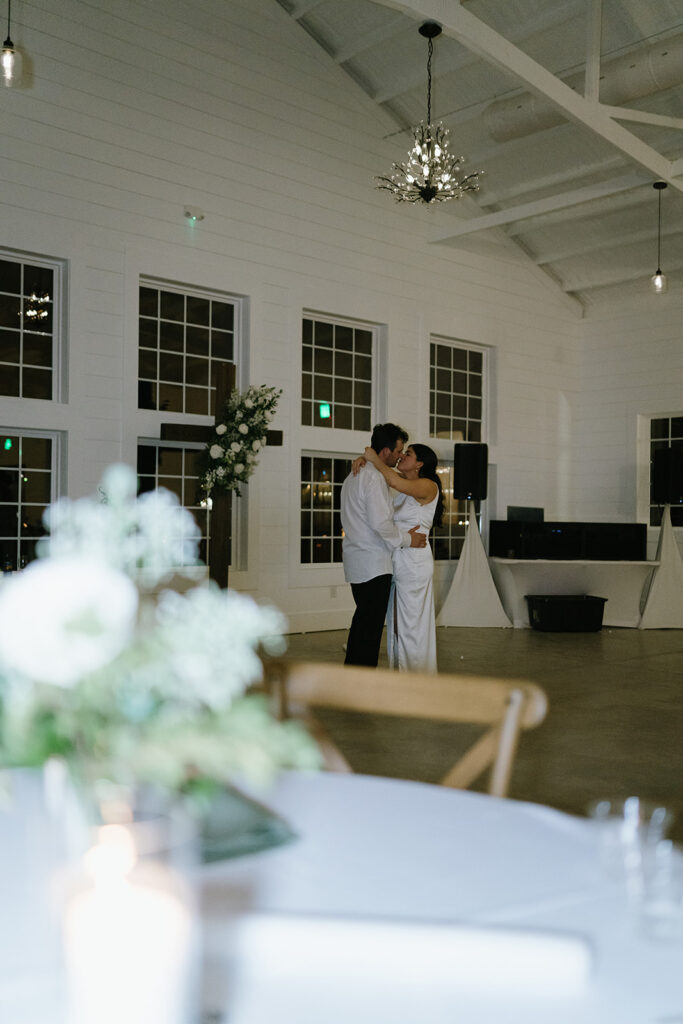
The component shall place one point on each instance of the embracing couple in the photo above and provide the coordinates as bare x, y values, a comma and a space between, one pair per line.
387, 557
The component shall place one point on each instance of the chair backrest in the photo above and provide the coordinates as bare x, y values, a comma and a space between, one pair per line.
505, 706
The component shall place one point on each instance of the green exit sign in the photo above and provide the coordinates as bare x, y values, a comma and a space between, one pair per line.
324, 410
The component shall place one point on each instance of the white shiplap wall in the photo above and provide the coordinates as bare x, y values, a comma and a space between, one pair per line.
136, 110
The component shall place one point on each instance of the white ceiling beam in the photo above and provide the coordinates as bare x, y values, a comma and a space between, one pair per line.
591, 88
495, 49
627, 114
550, 204
677, 167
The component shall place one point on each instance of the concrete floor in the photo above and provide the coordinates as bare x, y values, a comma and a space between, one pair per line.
614, 726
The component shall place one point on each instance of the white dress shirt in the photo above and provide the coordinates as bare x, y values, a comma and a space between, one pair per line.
370, 534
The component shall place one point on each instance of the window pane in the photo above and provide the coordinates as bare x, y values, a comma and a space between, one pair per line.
170, 461
343, 417
222, 315
170, 398
171, 337
172, 306
197, 341
37, 383
148, 331
36, 453
197, 310
36, 488
10, 310
9, 347
10, 276
9, 380
9, 485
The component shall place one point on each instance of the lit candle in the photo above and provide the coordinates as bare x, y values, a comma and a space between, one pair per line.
128, 939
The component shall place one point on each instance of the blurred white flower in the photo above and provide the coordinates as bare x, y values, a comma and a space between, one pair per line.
256, 445
248, 404
243, 428
215, 451
221, 429
64, 618
147, 536
239, 467
220, 471
235, 447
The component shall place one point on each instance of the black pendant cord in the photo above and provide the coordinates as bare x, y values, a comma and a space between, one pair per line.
430, 50
659, 230
8, 41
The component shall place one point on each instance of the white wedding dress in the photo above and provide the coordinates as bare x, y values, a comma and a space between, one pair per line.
411, 630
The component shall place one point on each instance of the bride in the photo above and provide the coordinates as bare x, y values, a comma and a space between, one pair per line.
411, 630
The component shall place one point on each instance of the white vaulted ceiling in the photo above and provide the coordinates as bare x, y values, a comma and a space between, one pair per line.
573, 108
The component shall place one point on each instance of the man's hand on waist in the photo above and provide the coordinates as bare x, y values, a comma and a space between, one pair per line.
417, 540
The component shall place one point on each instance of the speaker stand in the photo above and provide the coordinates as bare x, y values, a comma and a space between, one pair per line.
664, 603
473, 599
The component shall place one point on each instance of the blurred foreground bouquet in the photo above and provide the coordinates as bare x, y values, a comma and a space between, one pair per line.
126, 689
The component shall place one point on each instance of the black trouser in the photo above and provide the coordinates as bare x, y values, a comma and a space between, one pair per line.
365, 635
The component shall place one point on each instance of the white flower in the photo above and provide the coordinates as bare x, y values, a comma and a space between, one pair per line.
248, 404
220, 471
64, 618
215, 451
239, 468
221, 429
256, 445
235, 447
243, 428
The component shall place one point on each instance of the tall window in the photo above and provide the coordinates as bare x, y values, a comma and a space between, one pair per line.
322, 477
183, 337
174, 466
456, 389
336, 382
27, 464
447, 540
29, 291
665, 432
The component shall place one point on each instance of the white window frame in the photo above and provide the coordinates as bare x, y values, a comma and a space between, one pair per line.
59, 321
58, 454
643, 470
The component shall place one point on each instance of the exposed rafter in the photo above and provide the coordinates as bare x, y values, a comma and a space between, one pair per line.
474, 34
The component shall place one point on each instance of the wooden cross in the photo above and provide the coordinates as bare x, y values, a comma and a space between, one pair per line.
220, 516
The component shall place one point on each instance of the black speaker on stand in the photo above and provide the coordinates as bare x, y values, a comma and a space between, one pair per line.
470, 466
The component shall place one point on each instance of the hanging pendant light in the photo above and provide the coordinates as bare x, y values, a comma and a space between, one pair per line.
658, 281
10, 62
430, 174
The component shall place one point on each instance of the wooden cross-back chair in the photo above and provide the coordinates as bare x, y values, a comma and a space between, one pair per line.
505, 706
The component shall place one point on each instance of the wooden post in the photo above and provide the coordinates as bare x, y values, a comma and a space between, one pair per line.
220, 516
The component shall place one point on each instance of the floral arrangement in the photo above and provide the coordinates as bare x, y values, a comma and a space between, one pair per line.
126, 689
232, 454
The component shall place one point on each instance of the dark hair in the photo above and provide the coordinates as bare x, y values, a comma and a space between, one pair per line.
387, 435
429, 462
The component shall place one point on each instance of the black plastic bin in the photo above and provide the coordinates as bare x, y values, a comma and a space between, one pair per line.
565, 613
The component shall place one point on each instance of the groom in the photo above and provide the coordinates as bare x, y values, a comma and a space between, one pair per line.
370, 537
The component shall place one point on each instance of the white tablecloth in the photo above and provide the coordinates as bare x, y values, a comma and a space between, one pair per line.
622, 583
383, 849
380, 850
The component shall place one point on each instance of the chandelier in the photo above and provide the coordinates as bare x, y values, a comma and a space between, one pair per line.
431, 173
